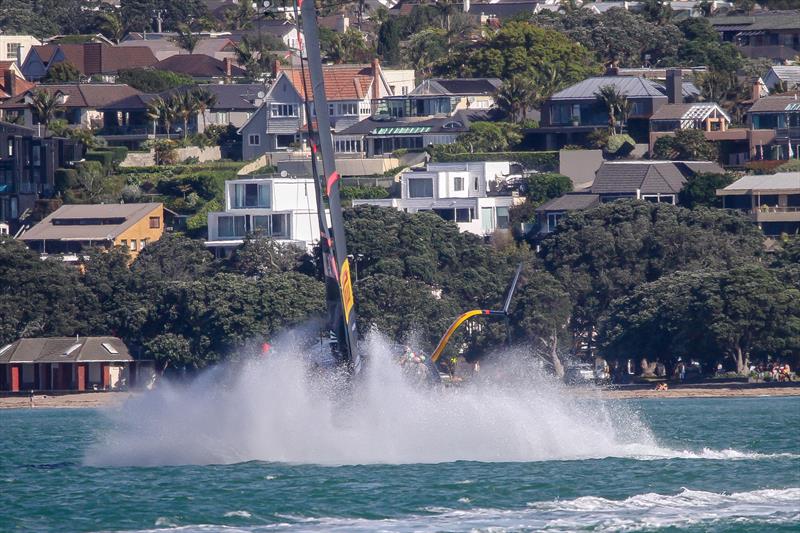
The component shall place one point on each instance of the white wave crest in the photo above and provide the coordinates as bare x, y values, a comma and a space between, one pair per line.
238, 514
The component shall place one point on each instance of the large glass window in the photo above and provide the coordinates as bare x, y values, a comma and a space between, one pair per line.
347, 109
232, 226
487, 220
249, 195
272, 225
284, 110
11, 50
420, 188
502, 217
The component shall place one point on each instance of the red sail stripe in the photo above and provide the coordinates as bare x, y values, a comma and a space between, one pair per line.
333, 178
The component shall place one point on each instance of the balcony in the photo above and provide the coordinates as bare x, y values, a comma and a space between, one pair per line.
784, 134
776, 214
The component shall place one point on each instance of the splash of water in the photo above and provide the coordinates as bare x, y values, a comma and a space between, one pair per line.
275, 409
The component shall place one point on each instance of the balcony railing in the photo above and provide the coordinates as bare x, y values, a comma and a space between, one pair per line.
792, 133
767, 209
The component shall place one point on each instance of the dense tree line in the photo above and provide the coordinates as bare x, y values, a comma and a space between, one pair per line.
630, 279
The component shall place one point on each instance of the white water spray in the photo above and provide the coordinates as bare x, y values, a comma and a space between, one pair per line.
271, 409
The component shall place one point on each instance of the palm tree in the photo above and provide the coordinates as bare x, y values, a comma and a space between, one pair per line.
614, 101
205, 100
185, 39
44, 105
515, 96
110, 25
185, 107
162, 110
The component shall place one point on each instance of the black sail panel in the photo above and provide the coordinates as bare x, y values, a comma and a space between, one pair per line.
341, 304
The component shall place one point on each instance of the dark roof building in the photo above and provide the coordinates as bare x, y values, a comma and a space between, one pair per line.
771, 34
458, 87
549, 214
89, 58
655, 181
200, 67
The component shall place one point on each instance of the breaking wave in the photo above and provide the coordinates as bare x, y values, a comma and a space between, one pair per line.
275, 409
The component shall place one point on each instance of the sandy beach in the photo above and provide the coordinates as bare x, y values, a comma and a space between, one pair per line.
717, 390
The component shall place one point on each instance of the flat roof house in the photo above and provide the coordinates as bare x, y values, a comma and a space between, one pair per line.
65, 364
781, 115
476, 195
772, 200
72, 228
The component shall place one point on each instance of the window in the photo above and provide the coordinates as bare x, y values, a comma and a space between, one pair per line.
552, 220
252, 195
420, 188
487, 221
155, 222
331, 110
458, 183
284, 110
142, 244
502, 217
365, 109
348, 146
109, 348
232, 226
348, 109
10, 147
254, 140
463, 214
134, 245
284, 141
272, 225
12, 50
223, 118
475, 184
124, 243
36, 159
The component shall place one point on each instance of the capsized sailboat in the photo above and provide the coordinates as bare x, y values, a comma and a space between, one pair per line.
341, 320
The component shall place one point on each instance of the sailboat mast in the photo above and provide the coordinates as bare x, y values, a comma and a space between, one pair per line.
341, 304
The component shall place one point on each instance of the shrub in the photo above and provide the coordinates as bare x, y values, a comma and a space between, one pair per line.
619, 145
199, 220
118, 154
64, 178
105, 158
353, 192
790, 166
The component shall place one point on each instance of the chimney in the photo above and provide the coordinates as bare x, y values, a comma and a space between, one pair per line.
228, 67
674, 86
376, 74
10, 82
755, 90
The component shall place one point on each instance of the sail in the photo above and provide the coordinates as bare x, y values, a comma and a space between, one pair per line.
339, 287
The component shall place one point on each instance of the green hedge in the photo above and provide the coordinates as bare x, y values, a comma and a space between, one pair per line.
105, 158
541, 161
64, 178
118, 153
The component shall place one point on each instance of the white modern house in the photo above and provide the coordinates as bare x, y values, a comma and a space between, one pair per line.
476, 196
284, 208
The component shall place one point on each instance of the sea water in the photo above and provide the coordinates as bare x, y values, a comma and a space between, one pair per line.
268, 446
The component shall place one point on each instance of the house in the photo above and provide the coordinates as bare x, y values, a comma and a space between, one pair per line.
476, 196
201, 67
464, 93
283, 208
570, 115
12, 83
400, 81
27, 169
770, 34
652, 181
703, 116
81, 104
550, 213
72, 228
779, 114
382, 135
773, 201
218, 48
787, 74
66, 364
280, 123
91, 59
235, 103
16, 47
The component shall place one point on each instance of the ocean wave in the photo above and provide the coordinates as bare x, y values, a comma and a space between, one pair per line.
762, 508
655, 453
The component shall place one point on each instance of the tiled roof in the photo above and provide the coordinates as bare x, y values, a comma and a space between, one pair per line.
771, 20
65, 350
628, 177
775, 104
21, 87
46, 230
570, 202
235, 95
687, 111
97, 58
459, 123
342, 82
198, 66
90, 95
787, 73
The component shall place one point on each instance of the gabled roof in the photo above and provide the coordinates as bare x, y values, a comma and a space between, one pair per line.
65, 350
89, 95
788, 73
96, 58
48, 230
776, 104
22, 85
235, 95
570, 202
770, 20
648, 177
197, 66
697, 111
212, 46
342, 82
458, 87
630, 86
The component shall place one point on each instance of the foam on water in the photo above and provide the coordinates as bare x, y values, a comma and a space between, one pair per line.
272, 409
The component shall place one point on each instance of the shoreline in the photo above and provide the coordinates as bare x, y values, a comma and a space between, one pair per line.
96, 400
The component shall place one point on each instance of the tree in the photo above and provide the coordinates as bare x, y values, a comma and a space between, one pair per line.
389, 42
685, 145
601, 254
424, 49
515, 96
257, 55
91, 178
153, 81
545, 186
45, 105
657, 11
173, 258
615, 102
62, 72
488, 137
204, 100
185, 38
110, 24
700, 190
706, 314
261, 255
522, 49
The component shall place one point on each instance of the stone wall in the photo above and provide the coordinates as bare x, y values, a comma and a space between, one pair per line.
147, 159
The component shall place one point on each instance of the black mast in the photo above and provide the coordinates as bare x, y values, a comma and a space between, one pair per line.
339, 287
